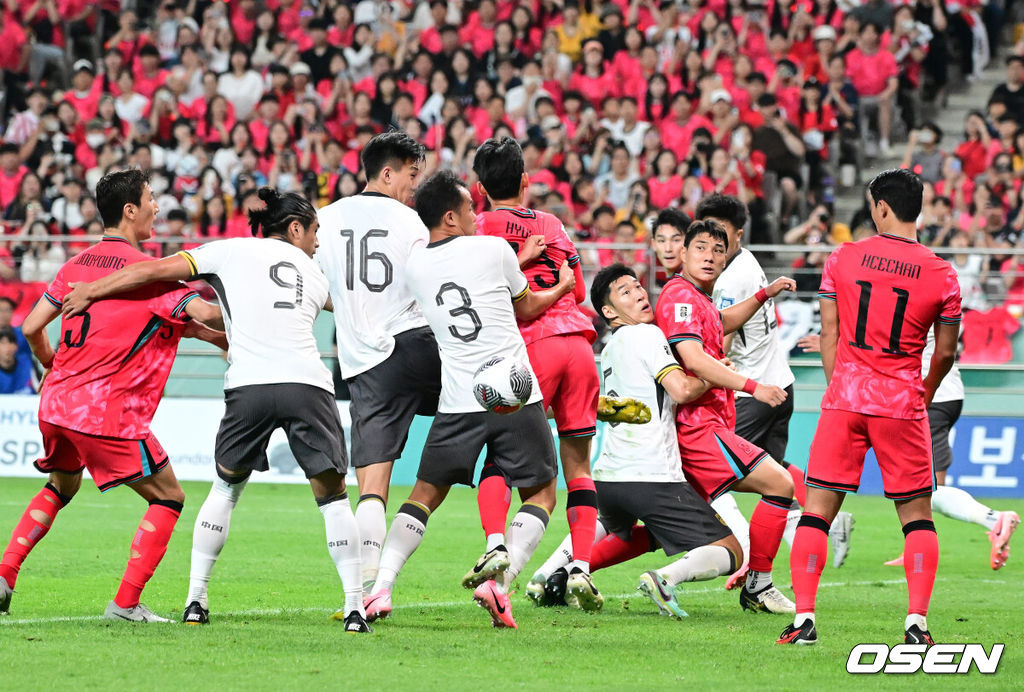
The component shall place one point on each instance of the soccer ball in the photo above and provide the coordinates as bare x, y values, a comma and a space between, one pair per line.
503, 385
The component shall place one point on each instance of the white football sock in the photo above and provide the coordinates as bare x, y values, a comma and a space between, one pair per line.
958, 504
343, 546
560, 558
792, 519
494, 540
372, 522
700, 564
801, 618
524, 534
757, 581
734, 519
209, 536
404, 537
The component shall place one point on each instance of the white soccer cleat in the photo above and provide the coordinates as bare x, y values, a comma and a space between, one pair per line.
767, 600
535, 589
1000, 535
138, 613
839, 534
580, 591
654, 586
490, 566
5, 597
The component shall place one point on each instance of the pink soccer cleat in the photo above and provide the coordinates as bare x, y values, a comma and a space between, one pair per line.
895, 562
1000, 535
496, 602
737, 578
378, 605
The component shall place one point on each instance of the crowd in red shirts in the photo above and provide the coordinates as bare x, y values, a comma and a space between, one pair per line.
623, 107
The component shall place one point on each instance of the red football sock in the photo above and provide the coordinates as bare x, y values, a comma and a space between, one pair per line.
807, 560
920, 562
799, 484
148, 549
35, 522
493, 498
767, 524
581, 510
611, 550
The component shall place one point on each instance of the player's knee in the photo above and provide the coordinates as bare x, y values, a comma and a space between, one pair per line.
780, 483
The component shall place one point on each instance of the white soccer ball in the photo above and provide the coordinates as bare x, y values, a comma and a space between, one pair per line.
503, 385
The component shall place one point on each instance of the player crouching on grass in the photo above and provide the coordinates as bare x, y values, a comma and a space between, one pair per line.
716, 459
272, 292
471, 291
102, 388
639, 474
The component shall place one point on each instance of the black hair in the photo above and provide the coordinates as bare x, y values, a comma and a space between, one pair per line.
602, 210
9, 148
499, 166
438, 195
394, 148
1014, 58
725, 207
674, 218
10, 301
8, 334
601, 286
115, 190
708, 226
279, 212
901, 190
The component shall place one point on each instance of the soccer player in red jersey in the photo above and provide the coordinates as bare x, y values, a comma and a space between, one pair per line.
879, 298
715, 458
559, 346
103, 386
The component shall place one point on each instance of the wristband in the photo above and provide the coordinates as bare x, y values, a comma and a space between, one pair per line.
749, 387
761, 296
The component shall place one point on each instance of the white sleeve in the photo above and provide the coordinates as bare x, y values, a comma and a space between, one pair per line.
209, 258
514, 277
651, 347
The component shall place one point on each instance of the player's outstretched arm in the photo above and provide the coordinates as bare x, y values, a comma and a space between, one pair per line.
829, 341
737, 315
683, 388
82, 295
533, 304
207, 323
717, 374
946, 336
34, 329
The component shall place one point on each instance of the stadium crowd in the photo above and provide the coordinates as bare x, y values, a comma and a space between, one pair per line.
624, 107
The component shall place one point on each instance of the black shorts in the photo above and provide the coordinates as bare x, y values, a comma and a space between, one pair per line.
386, 397
519, 444
764, 426
941, 418
677, 517
308, 414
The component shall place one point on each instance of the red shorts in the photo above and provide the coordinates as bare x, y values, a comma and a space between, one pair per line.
715, 458
111, 460
903, 449
567, 376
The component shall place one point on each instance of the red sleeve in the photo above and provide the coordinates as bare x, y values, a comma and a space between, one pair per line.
57, 289
828, 286
951, 312
678, 319
169, 301
579, 291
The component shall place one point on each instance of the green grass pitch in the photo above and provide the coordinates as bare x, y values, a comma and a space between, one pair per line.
274, 588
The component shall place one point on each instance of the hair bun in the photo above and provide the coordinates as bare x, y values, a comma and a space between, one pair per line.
268, 194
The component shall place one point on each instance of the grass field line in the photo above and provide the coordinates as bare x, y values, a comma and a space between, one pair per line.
437, 604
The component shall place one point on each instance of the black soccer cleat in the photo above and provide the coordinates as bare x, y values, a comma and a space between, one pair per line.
195, 614
556, 588
803, 635
915, 635
6, 592
356, 624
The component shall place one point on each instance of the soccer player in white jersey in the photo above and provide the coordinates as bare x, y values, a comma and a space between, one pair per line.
639, 473
472, 290
385, 349
270, 292
755, 351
